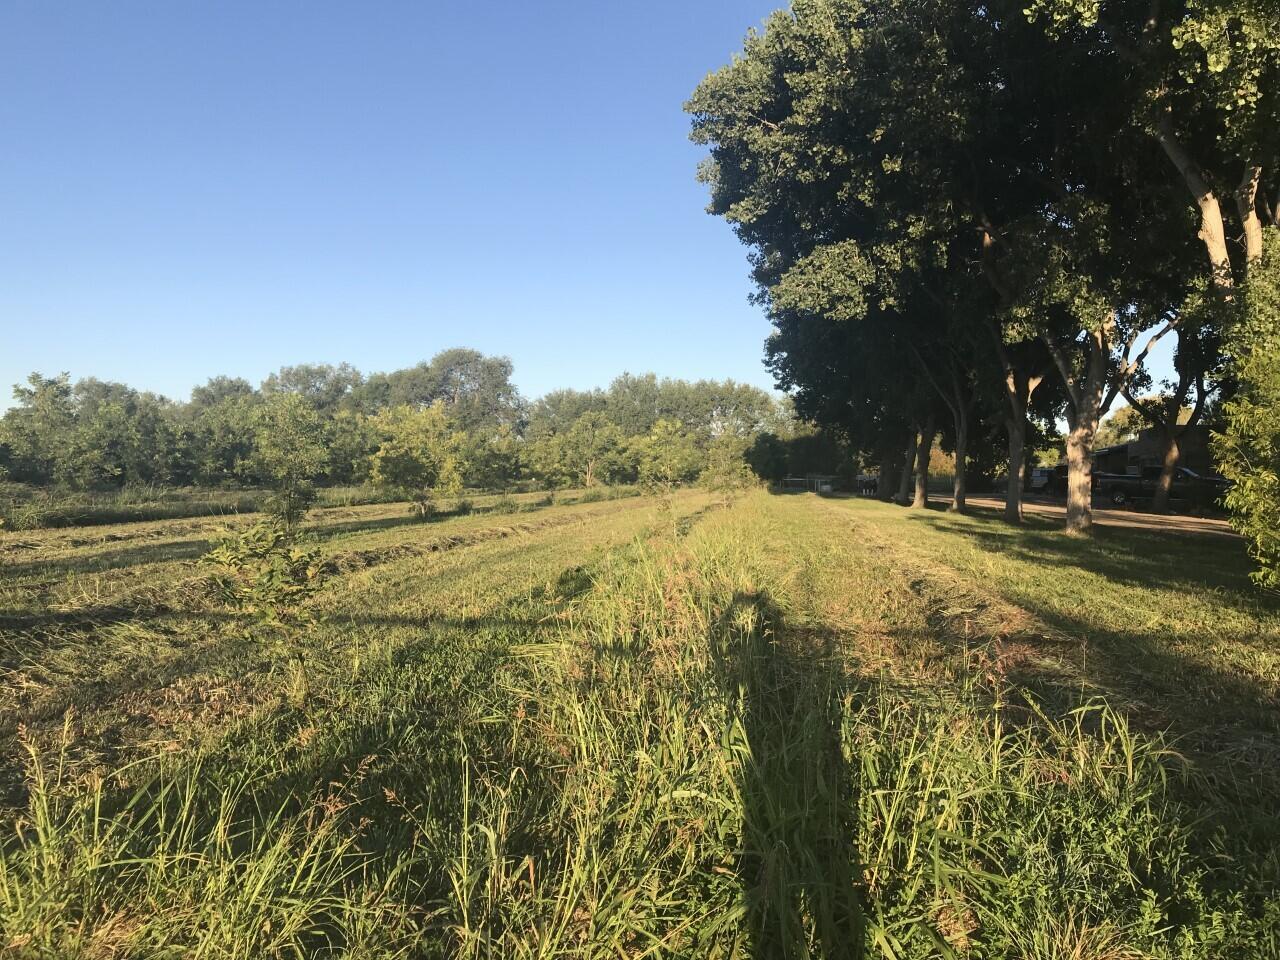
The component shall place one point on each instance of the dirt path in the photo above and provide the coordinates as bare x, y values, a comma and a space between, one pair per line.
1164, 523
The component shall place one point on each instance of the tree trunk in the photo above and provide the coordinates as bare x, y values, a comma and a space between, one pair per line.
958, 483
1017, 430
1247, 204
1212, 232
1164, 486
904, 482
1080, 476
1088, 399
885, 479
924, 453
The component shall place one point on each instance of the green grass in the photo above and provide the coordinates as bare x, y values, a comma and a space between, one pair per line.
780, 727
24, 507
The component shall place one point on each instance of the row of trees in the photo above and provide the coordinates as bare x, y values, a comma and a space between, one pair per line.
451, 422
977, 216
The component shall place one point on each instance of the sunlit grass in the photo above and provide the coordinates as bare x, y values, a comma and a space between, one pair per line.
783, 727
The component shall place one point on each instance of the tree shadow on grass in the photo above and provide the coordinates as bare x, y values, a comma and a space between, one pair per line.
105, 560
1229, 719
226, 656
798, 862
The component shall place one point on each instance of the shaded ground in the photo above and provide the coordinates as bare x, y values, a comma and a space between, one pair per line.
1105, 516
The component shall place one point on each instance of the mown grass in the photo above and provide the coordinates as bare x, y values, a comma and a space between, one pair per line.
783, 727
23, 507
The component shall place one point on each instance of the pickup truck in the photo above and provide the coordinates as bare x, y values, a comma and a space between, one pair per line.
1189, 486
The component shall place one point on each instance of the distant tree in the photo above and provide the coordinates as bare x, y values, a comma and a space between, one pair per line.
350, 439
289, 454
555, 412
40, 430
767, 457
635, 403
593, 450
667, 455
322, 385
1122, 426
492, 458
419, 454
727, 469
1125, 424
217, 390
222, 437
476, 390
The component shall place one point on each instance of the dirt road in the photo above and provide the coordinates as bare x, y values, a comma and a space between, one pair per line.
1173, 523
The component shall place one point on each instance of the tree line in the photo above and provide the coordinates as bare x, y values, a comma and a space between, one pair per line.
976, 220
454, 421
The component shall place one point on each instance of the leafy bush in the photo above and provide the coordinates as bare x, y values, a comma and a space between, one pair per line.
420, 454
1248, 450
505, 504
265, 573
289, 453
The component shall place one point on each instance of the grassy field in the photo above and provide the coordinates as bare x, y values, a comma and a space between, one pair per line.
768, 727
24, 507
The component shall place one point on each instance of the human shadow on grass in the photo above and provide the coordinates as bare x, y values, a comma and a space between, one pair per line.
798, 859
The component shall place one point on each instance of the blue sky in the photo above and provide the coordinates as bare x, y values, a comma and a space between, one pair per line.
188, 189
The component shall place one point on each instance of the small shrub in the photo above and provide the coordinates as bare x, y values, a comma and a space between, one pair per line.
423, 507
265, 573
505, 504
289, 504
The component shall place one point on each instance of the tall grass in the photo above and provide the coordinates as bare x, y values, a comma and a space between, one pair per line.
669, 751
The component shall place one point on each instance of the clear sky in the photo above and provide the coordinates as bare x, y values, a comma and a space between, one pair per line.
193, 188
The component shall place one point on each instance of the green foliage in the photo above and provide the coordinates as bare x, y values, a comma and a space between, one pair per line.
288, 454
667, 455
493, 458
308, 424
1248, 449
39, 430
264, 572
1122, 426
322, 386
768, 457
418, 453
727, 469
592, 450
476, 389
350, 439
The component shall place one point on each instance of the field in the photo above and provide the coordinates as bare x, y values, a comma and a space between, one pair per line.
755, 727
23, 507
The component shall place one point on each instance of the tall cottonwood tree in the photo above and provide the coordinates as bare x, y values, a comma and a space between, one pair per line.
899, 130
1202, 78
904, 132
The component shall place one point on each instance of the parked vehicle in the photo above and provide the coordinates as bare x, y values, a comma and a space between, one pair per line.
1124, 488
